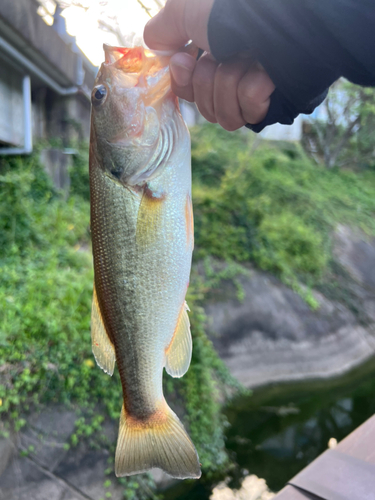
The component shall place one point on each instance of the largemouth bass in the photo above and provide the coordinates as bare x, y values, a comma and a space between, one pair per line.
142, 237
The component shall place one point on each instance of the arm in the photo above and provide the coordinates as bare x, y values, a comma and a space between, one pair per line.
304, 46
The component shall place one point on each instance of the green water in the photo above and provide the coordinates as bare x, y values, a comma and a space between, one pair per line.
281, 428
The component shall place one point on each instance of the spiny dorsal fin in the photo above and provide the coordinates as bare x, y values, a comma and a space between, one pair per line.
102, 346
178, 353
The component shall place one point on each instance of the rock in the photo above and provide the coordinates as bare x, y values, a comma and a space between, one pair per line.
274, 336
24, 480
50, 471
47, 432
356, 253
6, 452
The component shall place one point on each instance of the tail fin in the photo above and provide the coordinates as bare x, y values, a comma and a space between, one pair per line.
161, 441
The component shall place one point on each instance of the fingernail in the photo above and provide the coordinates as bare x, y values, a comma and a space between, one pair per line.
181, 74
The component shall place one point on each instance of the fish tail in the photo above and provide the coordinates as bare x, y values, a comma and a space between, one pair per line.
160, 441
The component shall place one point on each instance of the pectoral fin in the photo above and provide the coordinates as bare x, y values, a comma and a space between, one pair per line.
178, 353
149, 217
102, 346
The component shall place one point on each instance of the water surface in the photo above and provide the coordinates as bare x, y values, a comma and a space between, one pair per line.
281, 428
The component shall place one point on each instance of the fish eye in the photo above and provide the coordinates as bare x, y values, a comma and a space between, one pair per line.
99, 94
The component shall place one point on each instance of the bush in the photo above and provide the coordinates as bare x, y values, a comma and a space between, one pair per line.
277, 209
286, 245
79, 173
213, 151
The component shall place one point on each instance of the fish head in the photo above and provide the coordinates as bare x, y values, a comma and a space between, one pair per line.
130, 100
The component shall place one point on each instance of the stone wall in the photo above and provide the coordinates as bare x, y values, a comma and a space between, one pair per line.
274, 336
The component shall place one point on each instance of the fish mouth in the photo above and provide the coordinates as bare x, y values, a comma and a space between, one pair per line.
149, 133
149, 71
135, 59
136, 53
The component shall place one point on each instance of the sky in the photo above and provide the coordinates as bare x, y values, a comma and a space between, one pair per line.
83, 23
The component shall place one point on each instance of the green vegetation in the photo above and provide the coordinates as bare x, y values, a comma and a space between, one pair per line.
345, 137
274, 207
45, 304
269, 206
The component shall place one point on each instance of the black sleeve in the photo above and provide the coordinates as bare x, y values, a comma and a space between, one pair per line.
304, 45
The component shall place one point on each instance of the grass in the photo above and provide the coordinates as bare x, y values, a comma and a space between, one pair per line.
274, 207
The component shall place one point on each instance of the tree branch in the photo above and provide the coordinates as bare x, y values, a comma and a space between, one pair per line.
103, 25
146, 8
344, 139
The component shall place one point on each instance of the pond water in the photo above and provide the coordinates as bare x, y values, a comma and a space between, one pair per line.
281, 428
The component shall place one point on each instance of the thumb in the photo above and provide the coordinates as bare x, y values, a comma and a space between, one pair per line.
177, 23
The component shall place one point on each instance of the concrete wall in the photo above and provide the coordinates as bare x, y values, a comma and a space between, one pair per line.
28, 33
11, 109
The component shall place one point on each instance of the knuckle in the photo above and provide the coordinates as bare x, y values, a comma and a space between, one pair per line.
201, 78
206, 112
248, 93
231, 80
230, 127
256, 114
229, 123
185, 93
227, 77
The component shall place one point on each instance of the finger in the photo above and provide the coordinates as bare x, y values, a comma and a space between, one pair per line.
227, 108
254, 91
203, 84
177, 23
167, 30
182, 67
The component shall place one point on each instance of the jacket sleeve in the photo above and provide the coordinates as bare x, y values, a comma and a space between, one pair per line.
304, 45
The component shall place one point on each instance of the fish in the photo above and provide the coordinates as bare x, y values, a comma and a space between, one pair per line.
142, 239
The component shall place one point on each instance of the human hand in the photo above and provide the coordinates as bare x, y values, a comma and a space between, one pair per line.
231, 93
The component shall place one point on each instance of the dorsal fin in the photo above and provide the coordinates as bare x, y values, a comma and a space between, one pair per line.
102, 346
178, 353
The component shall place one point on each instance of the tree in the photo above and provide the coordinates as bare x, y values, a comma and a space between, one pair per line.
111, 24
109, 18
343, 132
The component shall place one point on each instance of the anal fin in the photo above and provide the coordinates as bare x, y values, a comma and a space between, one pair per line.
178, 353
102, 346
